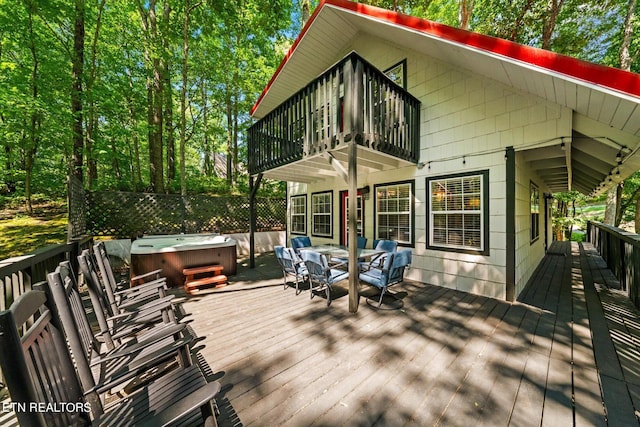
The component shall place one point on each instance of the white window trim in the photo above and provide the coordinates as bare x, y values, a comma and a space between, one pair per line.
314, 214
409, 213
482, 211
303, 214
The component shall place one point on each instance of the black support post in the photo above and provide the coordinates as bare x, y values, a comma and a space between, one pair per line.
510, 280
254, 184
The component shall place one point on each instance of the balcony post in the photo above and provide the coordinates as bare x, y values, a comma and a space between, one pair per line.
254, 184
355, 113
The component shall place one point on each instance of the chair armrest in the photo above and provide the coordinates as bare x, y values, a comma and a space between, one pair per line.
155, 284
338, 265
206, 393
143, 304
144, 363
145, 275
147, 339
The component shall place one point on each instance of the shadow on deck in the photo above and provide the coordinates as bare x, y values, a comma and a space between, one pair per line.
566, 353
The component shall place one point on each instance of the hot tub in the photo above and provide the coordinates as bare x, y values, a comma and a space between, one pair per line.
172, 253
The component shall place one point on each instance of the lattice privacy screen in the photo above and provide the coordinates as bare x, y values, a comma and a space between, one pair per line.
127, 215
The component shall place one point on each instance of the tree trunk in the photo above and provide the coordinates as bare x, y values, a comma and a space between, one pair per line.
517, 25
183, 96
619, 208
92, 162
76, 89
92, 120
136, 174
610, 210
466, 11
168, 126
549, 22
306, 12
624, 55
168, 99
236, 170
637, 216
34, 130
229, 140
154, 94
209, 155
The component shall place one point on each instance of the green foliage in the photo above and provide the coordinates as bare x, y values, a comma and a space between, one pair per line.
234, 47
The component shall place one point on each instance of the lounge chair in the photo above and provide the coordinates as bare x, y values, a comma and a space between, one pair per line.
40, 375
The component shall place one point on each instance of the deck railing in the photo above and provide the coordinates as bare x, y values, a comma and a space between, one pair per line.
352, 101
621, 251
19, 274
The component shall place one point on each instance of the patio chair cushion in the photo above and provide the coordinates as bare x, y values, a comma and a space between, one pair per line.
386, 245
289, 261
300, 242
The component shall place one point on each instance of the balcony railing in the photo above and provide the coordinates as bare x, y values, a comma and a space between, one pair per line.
351, 102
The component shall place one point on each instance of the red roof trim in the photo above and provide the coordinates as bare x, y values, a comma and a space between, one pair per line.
600, 75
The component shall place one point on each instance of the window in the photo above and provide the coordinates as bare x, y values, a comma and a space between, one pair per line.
534, 197
321, 214
398, 73
299, 214
458, 212
395, 212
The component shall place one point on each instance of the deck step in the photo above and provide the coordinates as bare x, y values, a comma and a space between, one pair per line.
192, 271
191, 286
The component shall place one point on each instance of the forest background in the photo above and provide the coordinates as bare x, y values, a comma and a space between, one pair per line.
154, 95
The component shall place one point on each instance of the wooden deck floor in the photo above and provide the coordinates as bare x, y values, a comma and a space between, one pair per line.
565, 354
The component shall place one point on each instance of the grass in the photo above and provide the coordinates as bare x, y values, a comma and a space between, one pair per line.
22, 234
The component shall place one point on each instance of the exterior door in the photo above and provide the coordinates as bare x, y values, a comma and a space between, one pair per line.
344, 216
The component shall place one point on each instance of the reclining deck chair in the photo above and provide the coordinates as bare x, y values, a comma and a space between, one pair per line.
102, 370
125, 321
137, 290
40, 375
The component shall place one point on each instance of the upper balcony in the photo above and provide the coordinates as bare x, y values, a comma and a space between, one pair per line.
352, 102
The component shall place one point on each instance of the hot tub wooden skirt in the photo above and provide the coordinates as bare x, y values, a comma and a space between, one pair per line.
173, 263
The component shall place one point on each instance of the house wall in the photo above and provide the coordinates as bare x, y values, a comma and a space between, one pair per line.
528, 253
466, 124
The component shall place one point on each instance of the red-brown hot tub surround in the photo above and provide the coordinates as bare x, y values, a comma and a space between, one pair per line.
173, 253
